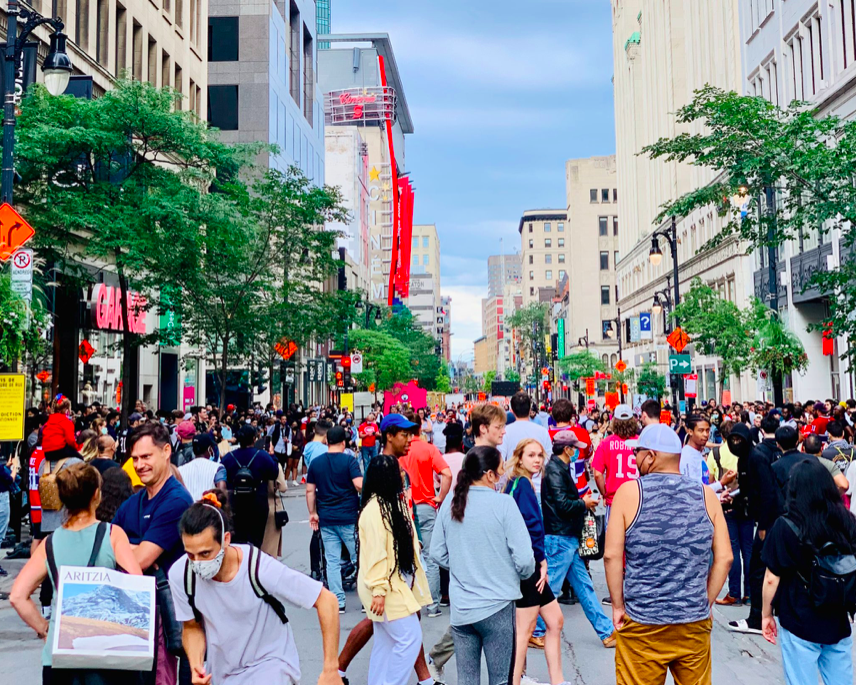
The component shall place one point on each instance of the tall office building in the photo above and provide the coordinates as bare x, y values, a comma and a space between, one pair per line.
544, 251
322, 21
502, 269
425, 301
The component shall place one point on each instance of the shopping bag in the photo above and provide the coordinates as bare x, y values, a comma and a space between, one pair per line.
589, 546
104, 619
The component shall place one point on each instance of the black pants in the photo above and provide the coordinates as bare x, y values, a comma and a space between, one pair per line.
65, 676
757, 571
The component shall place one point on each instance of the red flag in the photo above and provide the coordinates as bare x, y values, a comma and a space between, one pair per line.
828, 341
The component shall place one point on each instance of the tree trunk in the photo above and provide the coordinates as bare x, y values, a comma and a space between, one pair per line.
127, 371
224, 359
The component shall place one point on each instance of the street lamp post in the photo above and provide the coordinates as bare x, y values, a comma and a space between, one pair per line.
657, 306
56, 67
670, 233
617, 331
584, 340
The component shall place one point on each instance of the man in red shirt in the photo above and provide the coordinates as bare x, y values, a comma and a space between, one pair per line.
421, 462
368, 431
565, 417
614, 462
818, 426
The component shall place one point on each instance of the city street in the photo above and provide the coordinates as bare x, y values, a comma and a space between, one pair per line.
737, 659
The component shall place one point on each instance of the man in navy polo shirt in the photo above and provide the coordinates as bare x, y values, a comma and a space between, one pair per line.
150, 519
249, 516
333, 484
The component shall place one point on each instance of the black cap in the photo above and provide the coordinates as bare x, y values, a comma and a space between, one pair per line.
336, 435
453, 430
202, 442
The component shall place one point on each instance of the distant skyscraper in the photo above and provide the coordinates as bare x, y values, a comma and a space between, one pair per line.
322, 20
502, 269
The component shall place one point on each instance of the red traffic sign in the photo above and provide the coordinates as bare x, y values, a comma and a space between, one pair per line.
85, 351
43, 376
14, 231
285, 348
678, 339
621, 366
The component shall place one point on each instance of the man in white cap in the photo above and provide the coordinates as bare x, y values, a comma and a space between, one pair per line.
665, 526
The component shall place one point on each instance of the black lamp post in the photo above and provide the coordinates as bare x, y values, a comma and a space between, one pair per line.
660, 297
56, 67
610, 331
369, 307
584, 340
670, 233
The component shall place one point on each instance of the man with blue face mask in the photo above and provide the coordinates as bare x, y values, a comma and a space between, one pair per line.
564, 513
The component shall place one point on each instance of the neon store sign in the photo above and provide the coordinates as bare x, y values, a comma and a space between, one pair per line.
106, 311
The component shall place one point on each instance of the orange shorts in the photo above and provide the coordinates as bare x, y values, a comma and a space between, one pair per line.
644, 653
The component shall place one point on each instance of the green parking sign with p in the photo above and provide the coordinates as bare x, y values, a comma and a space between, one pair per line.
680, 363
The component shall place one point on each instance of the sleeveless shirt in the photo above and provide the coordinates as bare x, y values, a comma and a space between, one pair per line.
669, 551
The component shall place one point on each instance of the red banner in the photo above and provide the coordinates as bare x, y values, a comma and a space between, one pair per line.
396, 219
406, 198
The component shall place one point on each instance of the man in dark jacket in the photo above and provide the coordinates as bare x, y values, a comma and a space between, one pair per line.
787, 439
758, 484
564, 515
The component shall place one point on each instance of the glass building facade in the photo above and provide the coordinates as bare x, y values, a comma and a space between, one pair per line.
322, 21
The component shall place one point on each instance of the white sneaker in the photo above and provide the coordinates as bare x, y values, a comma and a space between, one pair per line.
526, 680
294, 483
436, 672
742, 626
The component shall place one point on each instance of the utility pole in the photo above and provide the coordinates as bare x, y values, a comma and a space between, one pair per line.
772, 277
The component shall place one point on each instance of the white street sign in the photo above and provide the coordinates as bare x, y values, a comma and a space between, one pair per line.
356, 362
22, 273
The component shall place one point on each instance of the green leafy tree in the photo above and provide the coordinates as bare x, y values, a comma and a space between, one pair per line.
13, 317
650, 382
443, 383
489, 378
581, 364
717, 327
512, 376
386, 361
810, 162
774, 346
118, 179
425, 362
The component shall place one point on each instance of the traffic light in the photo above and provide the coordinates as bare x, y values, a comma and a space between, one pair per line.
346, 371
340, 379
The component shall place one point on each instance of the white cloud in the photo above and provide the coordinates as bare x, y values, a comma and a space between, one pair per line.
466, 318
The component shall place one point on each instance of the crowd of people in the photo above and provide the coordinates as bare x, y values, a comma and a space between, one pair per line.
492, 514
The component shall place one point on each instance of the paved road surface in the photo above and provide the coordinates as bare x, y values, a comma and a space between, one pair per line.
737, 659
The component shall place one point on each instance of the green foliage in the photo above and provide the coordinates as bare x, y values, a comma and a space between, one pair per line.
512, 376
489, 378
425, 363
442, 382
581, 364
751, 144
13, 315
385, 359
650, 382
774, 346
717, 327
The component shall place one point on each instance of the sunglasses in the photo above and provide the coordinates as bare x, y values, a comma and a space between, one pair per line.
638, 450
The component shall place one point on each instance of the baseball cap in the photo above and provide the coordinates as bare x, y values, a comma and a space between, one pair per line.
393, 421
568, 438
660, 438
135, 417
623, 412
336, 435
203, 442
186, 430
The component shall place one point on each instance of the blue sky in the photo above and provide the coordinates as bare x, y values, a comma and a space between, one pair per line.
501, 94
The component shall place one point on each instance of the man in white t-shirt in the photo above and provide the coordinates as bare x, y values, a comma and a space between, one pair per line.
523, 428
243, 628
198, 475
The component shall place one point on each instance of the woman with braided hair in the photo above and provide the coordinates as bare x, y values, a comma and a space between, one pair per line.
391, 581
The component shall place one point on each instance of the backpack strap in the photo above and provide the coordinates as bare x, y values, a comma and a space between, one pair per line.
49, 553
259, 589
716, 458
190, 590
100, 532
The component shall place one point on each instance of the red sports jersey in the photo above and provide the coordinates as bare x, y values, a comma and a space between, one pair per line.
36, 459
578, 468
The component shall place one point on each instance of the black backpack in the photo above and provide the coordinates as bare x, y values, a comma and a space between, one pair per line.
244, 482
832, 580
259, 589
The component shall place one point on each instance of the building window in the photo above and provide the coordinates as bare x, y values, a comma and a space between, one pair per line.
615, 258
531, 259
604, 195
604, 261
548, 259
81, 24
560, 227
531, 242
561, 242
121, 39
531, 275
561, 274
615, 194
223, 39
530, 228
593, 195
294, 53
425, 241
415, 260
531, 291
425, 260
137, 64
549, 275
561, 259
615, 225
179, 13
603, 225
604, 294
547, 228
548, 242
223, 107
153, 61
308, 78
416, 242
101, 22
